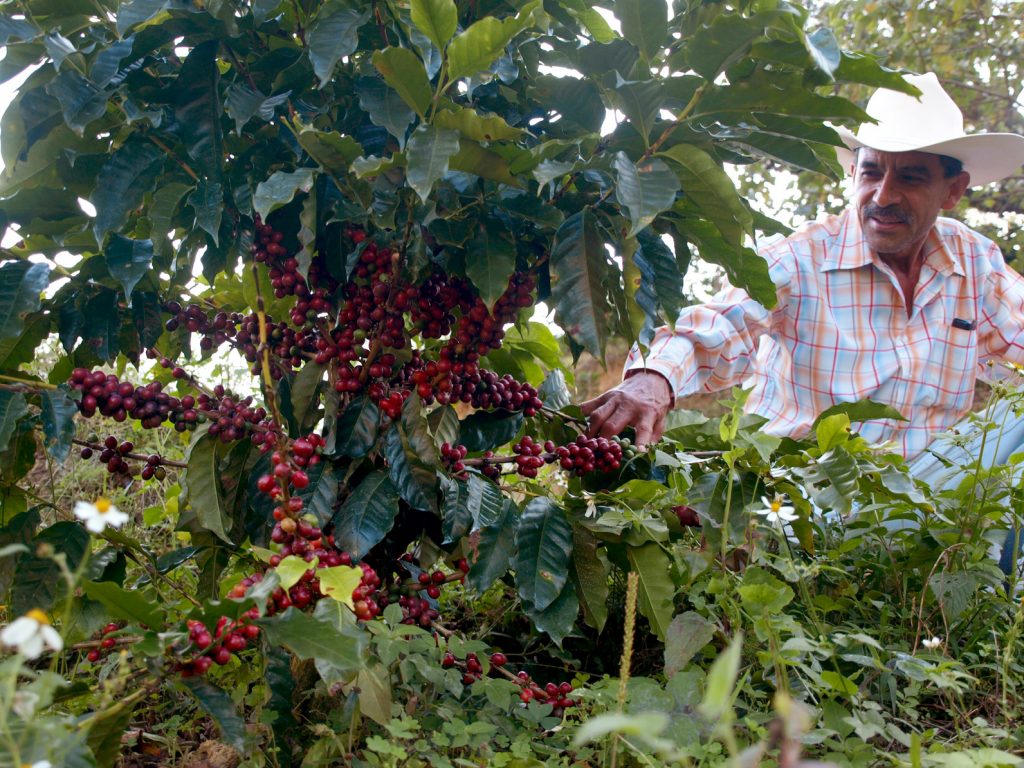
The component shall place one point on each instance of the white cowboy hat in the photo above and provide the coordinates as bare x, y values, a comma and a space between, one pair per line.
934, 124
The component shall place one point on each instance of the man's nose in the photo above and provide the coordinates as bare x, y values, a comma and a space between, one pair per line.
886, 193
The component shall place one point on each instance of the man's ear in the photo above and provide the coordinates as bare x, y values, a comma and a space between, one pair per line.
957, 186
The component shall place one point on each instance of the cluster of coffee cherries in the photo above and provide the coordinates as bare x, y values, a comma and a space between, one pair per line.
106, 643
285, 278
114, 454
106, 394
228, 638
307, 591
418, 599
582, 456
556, 694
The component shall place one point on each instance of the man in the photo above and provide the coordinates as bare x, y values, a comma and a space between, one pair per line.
887, 301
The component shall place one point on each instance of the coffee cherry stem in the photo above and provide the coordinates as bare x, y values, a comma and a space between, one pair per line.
20, 385
121, 640
137, 456
555, 415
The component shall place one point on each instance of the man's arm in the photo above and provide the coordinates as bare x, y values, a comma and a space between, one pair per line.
641, 400
709, 349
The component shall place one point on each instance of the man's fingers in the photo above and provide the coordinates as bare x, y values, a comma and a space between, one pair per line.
588, 406
622, 413
645, 428
599, 417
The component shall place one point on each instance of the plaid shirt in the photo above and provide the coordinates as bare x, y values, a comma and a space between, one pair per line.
840, 333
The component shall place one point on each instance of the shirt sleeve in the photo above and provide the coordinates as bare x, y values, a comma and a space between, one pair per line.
711, 345
1001, 331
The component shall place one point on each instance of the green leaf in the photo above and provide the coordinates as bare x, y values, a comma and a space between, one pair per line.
559, 618
106, 728
590, 575
579, 267
219, 706
80, 99
367, 515
13, 406
21, 283
333, 34
744, 267
832, 481
428, 153
137, 12
280, 189
262, 9
686, 635
554, 392
161, 215
39, 583
657, 592
720, 681
486, 430
197, 110
491, 259
313, 637
640, 101
644, 23
244, 102
291, 569
305, 394
20, 349
128, 261
357, 428
201, 485
403, 71
329, 149
477, 47
207, 200
416, 430
595, 23
773, 95
122, 183
862, 410
544, 551
415, 480
762, 593
484, 501
661, 284
385, 108
726, 40
494, 549
374, 685
131, 605
321, 494
712, 191
339, 582
437, 19
58, 411
645, 190
475, 159
472, 125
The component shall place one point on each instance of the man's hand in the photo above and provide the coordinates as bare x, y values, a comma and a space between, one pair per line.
641, 401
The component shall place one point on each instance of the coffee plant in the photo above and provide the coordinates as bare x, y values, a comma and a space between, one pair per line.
396, 544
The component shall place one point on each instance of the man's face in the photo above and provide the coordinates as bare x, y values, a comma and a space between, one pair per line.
898, 196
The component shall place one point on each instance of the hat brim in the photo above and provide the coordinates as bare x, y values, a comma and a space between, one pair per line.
987, 157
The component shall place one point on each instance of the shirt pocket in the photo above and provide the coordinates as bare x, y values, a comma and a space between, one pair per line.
952, 363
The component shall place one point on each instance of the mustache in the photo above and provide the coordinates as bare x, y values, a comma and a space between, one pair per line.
886, 212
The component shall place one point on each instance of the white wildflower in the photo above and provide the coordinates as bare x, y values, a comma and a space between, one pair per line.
775, 512
931, 643
99, 515
31, 635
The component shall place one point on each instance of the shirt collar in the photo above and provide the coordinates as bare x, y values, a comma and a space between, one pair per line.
849, 250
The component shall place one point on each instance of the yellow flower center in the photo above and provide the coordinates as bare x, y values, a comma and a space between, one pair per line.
38, 616
776, 505
103, 505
